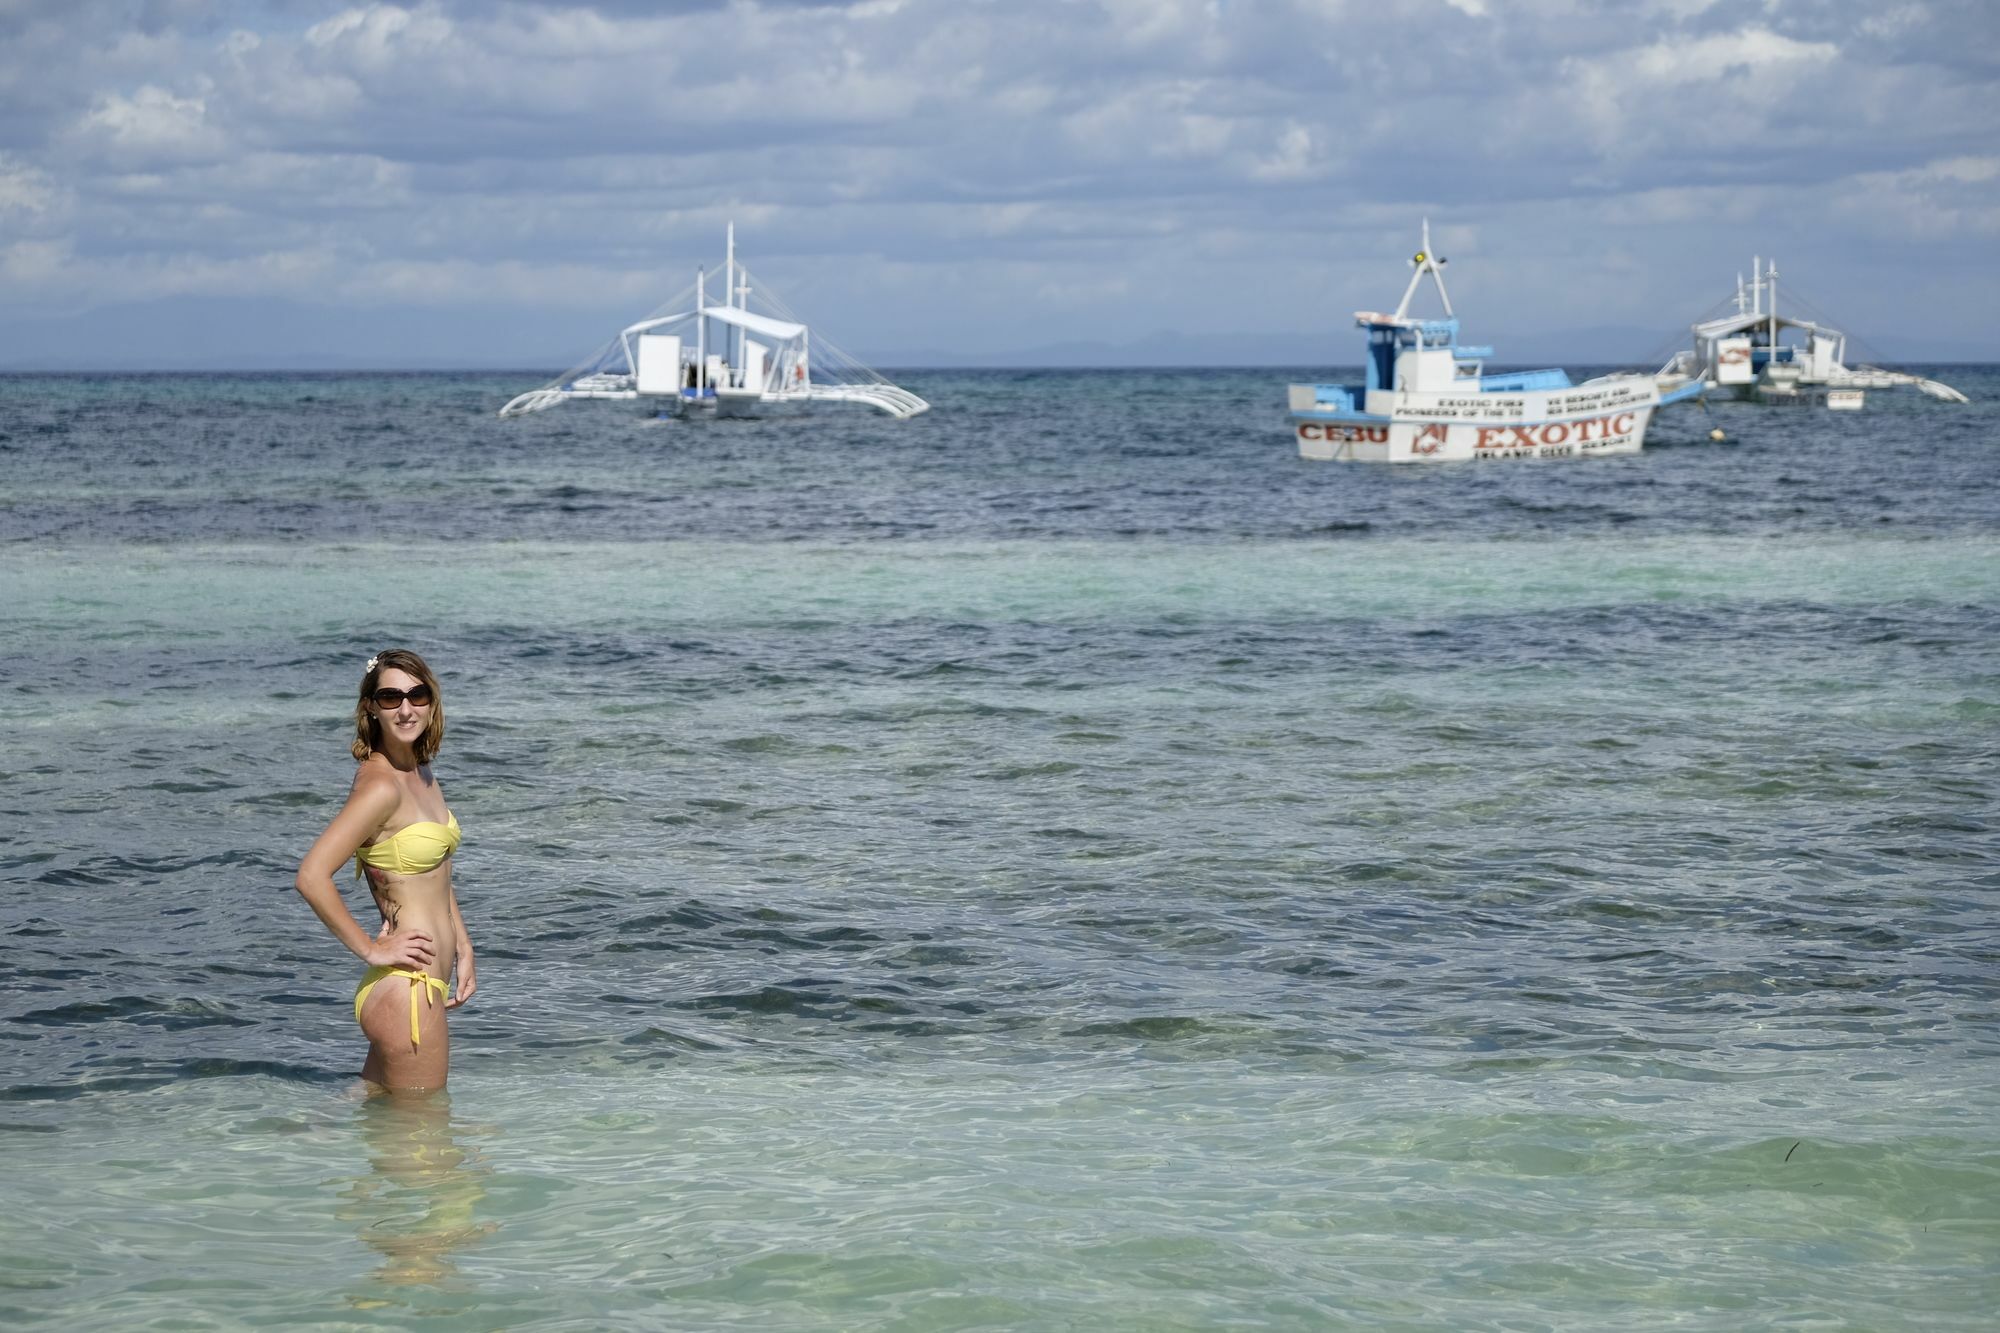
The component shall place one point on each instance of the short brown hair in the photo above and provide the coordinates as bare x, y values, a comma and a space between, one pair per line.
367, 731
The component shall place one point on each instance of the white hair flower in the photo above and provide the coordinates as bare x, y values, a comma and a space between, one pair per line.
371, 664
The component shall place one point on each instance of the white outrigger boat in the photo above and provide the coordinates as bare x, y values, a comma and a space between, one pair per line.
727, 359
1746, 355
1426, 399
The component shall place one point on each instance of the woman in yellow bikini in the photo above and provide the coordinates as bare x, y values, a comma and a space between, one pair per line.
401, 835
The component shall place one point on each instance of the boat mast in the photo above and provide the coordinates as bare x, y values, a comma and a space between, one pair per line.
1771, 276
701, 329
728, 291
1426, 262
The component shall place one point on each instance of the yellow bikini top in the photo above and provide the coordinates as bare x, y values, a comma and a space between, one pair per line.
413, 848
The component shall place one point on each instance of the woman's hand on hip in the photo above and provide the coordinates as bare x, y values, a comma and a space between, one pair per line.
410, 948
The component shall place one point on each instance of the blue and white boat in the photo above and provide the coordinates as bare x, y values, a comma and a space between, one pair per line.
1427, 399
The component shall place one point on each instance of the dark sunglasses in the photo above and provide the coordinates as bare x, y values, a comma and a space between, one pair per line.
420, 695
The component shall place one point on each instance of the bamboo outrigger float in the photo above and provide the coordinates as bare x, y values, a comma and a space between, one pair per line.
725, 358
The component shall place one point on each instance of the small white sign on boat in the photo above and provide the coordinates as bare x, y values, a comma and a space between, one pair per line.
1425, 398
1755, 353
726, 358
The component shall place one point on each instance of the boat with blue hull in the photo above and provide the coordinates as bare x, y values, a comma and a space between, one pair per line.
1425, 398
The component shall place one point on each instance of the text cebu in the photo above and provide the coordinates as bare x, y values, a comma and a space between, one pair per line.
1551, 434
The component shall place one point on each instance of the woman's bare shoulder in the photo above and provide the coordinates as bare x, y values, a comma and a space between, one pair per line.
375, 785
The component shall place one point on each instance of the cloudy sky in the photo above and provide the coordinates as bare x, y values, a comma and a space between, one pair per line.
928, 181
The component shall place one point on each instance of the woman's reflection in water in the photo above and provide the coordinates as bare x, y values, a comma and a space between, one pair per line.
417, 1207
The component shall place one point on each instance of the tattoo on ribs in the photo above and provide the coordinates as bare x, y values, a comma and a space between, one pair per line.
378, 884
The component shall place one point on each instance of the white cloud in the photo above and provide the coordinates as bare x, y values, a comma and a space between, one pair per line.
28, 194
1684, 9
1891, 21
379, 35
1946, 200
153, 125
1758, 52
1149, 21
29, 265
440, 152
1963, 170
1703, 89
1292, 159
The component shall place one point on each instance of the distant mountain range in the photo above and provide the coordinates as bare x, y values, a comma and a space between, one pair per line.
189, 334
1610, 345
214, 333
1336, 347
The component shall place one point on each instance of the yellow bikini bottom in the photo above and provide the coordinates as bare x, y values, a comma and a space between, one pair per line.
421, 985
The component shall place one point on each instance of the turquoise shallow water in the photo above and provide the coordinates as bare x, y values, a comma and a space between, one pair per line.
1002, 870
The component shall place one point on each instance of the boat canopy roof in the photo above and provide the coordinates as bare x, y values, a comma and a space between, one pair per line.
764, 324
1722, 328
1432, 329
780, 329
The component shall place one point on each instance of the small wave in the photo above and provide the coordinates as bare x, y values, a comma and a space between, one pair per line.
802, 998
1157, 1027
71, 878
760, 744
693, 917
943, 669
655, 1038
1014, 773
100, 870
142, 1075
173, 1015
288, 799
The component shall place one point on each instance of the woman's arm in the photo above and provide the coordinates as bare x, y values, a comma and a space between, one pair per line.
369, 806
463, 984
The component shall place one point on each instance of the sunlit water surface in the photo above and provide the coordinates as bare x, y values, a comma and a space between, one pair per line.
1061, 861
